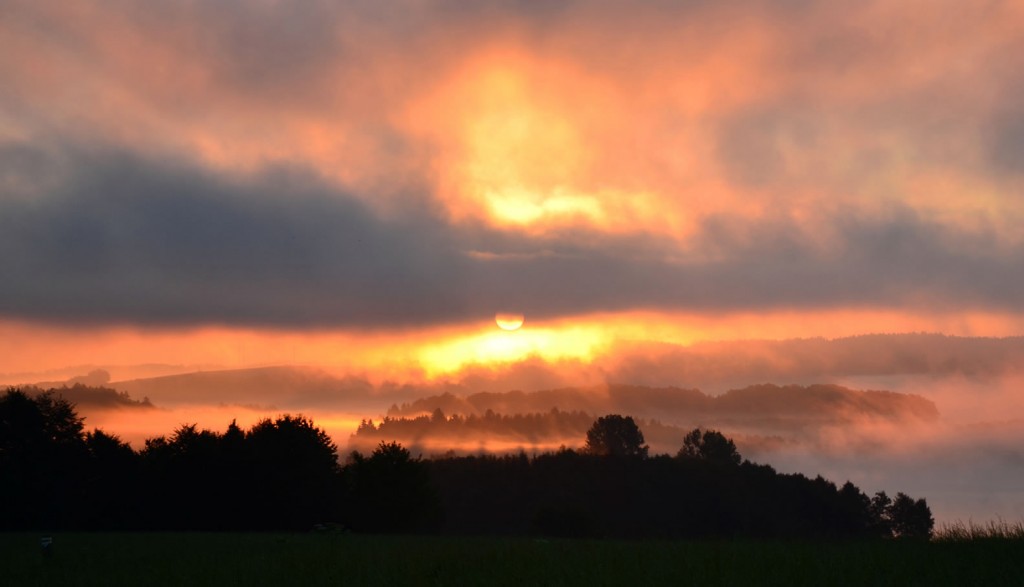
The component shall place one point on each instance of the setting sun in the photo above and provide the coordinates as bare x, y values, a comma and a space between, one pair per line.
508, 320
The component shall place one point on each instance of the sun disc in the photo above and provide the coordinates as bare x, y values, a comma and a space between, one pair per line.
508, 320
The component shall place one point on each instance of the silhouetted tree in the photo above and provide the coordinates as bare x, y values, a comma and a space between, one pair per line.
42, 456
880, 515
233, 439
282, 474
390, 492
902, 517
855, 506
910, 518
710, 445
295, 470
185, 475
111, 478
235, 483
108, 448
616, 435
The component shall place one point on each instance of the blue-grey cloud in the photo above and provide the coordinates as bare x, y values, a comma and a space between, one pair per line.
112, 237
126, 239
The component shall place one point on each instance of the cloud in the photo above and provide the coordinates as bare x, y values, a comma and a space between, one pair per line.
1005, 132
128, 239
898, 261
882, 360
366, 166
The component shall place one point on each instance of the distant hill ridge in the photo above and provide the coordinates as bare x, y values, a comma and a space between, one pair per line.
763, 401
90, 397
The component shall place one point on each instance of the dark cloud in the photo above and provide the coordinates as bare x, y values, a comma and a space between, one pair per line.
899, 261
127, 239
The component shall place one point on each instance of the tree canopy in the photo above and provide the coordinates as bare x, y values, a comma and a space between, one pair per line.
710, 445
390, 491
616, 436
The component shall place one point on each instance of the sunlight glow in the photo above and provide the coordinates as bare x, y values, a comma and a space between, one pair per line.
491, 347
520, 206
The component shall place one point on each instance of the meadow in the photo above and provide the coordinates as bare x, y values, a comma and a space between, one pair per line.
968, 558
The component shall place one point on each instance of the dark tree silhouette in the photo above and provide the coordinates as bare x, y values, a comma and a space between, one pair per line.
295, 467
185, 475
854, 517
910, 518
902, 517
108, 447
616, 435
880, 515
283, 474
390, 492
111, 482
42, 455
710, 445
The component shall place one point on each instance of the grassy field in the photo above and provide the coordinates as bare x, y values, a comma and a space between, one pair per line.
339, 559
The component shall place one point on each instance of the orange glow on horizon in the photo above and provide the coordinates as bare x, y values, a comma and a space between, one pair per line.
443, 351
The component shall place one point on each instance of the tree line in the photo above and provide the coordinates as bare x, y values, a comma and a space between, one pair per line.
458, 431
285, 474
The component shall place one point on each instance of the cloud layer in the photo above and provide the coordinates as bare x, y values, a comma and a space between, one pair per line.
124, 239
355, 165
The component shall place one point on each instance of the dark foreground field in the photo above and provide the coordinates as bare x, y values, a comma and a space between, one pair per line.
340, 559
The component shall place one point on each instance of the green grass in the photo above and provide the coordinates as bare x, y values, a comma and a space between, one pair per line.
340, 559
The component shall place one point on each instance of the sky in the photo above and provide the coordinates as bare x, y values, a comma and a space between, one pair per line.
362, 186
